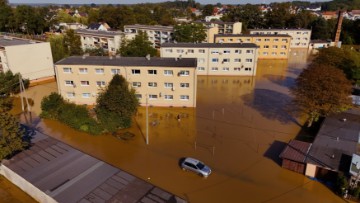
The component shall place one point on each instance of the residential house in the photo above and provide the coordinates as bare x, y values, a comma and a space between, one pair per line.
300, 38
270, 46
99, 26
32, 59
327, 15
164, 81
157, 34
234, 59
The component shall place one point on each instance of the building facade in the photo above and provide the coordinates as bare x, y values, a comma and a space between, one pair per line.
157, 34
270, 46
164, 81
32, 59
110, 41
300, 38
216, 58
219, 27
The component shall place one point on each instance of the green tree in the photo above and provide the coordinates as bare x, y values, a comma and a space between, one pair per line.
5, 15
194, 33
96, 52
250, 16
72, 43
58, 49
208, 10
321, 90
116, 105
9, 83
279, 16
140, 46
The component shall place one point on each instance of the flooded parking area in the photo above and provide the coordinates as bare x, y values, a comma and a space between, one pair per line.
239, 127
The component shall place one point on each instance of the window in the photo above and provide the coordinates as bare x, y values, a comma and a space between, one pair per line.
214, 60
136, 84
201, 68
265, 53
184, 85
247, 69
99, 70
184, 97
304, 44
237, 60
152, 72
168, 97
248, 40
115, 71
226, 51
237, 51
275, 46
168, 50
214, 69
184, 73
190, 51
168, 72
249, 51
201, 60
83, 70
273, 53
100, 83
214, 52
84, 83
248, 60
85, 95
168, 85
138, 96
179, 51
225, 68
230, 40
283, 46
226, 60
135, 71
152, 84
67, 70
258, 40
202, 51
267, 40
282, 53
237, 69
276, 40
284, 40
69, 83
298, 33
153, 96
70, 94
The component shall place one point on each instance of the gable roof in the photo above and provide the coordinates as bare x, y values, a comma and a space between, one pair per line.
296, 151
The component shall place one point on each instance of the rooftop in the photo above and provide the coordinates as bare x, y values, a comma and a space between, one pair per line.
99, 32
282, 29
13, 41
128, 61
296, 151
150, 27
211, 45
336, 141
251, 35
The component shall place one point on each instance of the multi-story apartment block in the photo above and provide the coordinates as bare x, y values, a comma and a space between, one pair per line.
216, 58
157, 34
219, 27
32, 59
108, 40
270, 46
164, 81
300, 38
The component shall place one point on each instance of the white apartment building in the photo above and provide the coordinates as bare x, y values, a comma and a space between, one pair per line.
164, 81
300, 38
32, 59
108, 40
219, 27
157, 34
235, 59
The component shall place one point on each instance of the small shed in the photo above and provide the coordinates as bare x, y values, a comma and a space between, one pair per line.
294, 155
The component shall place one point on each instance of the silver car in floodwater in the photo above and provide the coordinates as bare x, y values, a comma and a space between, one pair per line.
191, 164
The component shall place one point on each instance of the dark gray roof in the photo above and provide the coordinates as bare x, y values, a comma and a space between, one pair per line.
98, 32
336, 141
150, 27
211, 45
94, 26
219, 22
128, 61
12, 41
296, 151
281, 29
251, 35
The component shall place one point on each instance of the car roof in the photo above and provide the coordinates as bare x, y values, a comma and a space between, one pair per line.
192, 160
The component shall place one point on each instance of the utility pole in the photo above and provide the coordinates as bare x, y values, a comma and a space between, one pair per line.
147, 120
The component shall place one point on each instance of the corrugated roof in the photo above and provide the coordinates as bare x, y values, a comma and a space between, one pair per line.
99, 32
128, 61
211, 45
251, 35
296, 151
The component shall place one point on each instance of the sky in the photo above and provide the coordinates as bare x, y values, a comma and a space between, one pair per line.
144, 1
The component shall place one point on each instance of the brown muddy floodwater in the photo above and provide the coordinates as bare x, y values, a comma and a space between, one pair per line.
239, 127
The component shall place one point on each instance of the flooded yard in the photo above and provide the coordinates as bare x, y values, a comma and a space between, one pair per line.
239, 127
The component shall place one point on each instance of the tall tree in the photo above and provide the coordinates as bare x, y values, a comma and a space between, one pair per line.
250, 15
72, 43
190, 33
279, 16
5, 15
140, 46
116, 105
208, 10
58, 49
9, 83
321, 90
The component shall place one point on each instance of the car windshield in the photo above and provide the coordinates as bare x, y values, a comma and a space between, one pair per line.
200, 165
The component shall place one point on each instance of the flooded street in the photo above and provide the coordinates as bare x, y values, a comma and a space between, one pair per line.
239, 127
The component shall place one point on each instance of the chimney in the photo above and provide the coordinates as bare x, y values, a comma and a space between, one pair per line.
148, 57
338, 27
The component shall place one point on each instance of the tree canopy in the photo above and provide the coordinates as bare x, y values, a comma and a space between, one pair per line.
72, 43
140, 46
321, 90
116, 105
193, 33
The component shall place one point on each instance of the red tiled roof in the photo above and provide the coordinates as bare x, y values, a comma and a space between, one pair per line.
329, 13
296, 151
357, 12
